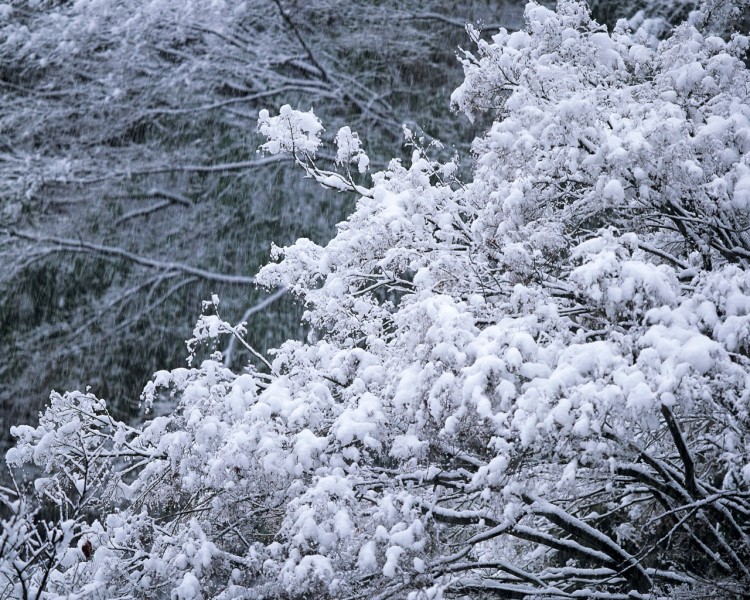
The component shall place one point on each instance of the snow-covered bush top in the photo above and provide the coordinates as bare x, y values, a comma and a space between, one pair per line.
534, 383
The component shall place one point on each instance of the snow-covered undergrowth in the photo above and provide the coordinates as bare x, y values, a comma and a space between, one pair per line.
533, 383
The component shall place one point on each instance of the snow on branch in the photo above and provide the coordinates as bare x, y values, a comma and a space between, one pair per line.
529, 382
70, 245
298, 133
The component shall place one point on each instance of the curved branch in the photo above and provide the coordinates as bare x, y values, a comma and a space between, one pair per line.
79, 245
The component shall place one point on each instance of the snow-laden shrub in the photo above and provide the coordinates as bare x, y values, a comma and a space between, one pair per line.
530, 384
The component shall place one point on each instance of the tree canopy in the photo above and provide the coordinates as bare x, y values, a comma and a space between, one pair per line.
529, 382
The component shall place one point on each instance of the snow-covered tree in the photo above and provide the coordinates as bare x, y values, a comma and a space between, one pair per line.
532, 383
130, 187
660, 16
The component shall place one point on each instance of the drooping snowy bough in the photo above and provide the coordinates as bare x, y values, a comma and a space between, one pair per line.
531, 384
